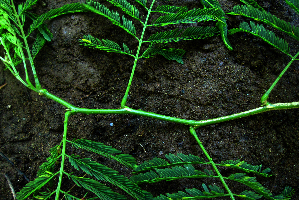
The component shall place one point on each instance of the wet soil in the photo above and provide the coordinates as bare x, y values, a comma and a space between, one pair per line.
212, 82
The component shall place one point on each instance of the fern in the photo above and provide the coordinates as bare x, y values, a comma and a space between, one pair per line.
244, 166
127, 8
35, 185
49, 165
170, 53
169, 174
192, 16
195, 193
178, 166
178, 159
104, 173
106, 151
66, 9
142, 2
114, 17
190, 33
37, 45
26, 6
252, 183
253, 4
167, 9
268, 18
106, 45
266, 35
102, 191
221, 24
293, 4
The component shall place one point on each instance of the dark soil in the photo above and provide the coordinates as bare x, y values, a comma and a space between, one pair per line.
212, 82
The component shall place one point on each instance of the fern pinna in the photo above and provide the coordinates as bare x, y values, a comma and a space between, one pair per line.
179, 166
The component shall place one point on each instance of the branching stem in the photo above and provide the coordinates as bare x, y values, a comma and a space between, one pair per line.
124, 100
266, 95
63, 155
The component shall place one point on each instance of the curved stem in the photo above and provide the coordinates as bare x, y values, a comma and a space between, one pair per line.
195, 123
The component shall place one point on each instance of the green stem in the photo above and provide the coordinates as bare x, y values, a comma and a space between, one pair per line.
37, 84
193, 132
67, 114
124, 100
126, 110
266, 95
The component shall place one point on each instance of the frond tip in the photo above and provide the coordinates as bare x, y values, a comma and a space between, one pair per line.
264, 34
114, 17
106, 45
190, 33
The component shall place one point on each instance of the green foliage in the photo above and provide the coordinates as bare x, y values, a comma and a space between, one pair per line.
180, 166
106, 45
106, 151
294, 4
114, 17
194, 193
102, 191
104, 173
248, 168
35, 185
264, 34
267, 18
177, 35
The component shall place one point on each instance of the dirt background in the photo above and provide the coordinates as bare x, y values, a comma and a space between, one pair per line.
212, 82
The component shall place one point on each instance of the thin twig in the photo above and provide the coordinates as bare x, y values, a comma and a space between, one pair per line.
10, 186
19, 171
3, 85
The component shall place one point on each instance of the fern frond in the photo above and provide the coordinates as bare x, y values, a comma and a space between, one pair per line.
5, 5
287, 193
266, 35
51, 160
169, 54
167, 9
66, 9
102, 191
179, 159
268, 18
37, 45
190, 33
250, 195
127, 8
27, 5
244, 166
169, 174
106, 151
252, 183
104, 173
114, 17
195, 193
43, 29
293, 4
222, 25
106, 45
211, 4
253, 4
192, 16
142, 2
256, 186
35, 185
